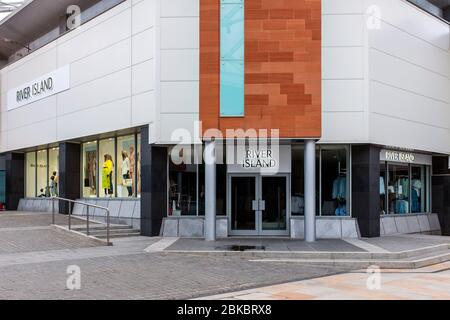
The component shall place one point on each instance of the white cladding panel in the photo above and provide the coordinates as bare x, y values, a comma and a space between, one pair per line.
343, 71
389, 85
138, 64
115, 62
409, 84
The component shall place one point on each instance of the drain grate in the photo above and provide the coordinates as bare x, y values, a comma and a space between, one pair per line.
242, 248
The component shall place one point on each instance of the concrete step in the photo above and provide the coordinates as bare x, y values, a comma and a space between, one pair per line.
120, 235
115, 231
416, 262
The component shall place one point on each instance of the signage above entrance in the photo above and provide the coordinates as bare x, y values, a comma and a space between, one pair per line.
405, 157
40, 88
262, 160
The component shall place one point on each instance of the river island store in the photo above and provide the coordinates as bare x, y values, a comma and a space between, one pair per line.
94, 113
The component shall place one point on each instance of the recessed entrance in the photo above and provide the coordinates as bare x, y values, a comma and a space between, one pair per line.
258, 205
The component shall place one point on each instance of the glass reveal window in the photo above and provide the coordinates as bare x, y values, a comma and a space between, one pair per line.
30, 172
232, 69
53, 167
404, 188
90, 169
42, 174
334, 181
107, 168
126, 164
112, 167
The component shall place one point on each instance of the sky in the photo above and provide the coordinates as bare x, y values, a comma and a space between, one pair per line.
4, 15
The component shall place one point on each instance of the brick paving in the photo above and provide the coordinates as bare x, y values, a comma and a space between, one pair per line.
147, 276
34, 259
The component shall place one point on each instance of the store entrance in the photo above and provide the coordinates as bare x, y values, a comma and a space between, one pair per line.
258, 205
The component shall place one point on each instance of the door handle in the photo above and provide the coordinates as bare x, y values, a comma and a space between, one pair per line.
262, 205
255, 205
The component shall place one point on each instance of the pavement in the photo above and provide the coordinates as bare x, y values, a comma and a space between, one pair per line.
34, 262
430, 283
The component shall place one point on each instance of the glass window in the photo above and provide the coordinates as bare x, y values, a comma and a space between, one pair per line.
221, 186
42, 174
232, 58
30, 172
53, 171
90, 169
298, 181
398, 188
418, 189
334, 181
126, 164
182, 189
107, 151
383, 180
138, 165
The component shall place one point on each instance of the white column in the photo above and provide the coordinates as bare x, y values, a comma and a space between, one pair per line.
210, 191
310, 190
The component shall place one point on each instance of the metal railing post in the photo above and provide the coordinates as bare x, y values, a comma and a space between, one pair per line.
88, 231
107, 227
87, 220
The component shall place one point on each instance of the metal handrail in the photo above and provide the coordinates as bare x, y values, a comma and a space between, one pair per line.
88, 205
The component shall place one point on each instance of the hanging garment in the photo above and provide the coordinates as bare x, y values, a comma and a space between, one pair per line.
382, 186
339, 188
401, 206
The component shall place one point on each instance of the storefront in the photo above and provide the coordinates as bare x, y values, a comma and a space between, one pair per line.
405, 180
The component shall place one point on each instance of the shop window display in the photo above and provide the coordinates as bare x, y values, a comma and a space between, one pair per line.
298, 181
53, 167
126, 164
334, 181
138, 166
107, 168
43, 189
111, 167
418, 189
398, 189
182, 190
90, 169
383, 180
30, 172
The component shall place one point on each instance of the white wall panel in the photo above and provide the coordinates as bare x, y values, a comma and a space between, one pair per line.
143, 46
343, 30
36, 112
342, 95
107, 117
180, 33
342, 6
342, 63
180, 65
101, 63
143, 77
99, 37
144, 15
173, 123
402, 133
343, 127
34, 134
105, 90
143, 109
179, 97
180, 8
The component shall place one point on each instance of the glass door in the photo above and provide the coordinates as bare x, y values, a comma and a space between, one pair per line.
258, 205
274, 210
242, 196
